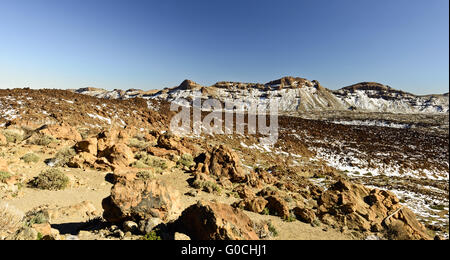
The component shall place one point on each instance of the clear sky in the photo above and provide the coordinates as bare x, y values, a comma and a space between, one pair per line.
155, 44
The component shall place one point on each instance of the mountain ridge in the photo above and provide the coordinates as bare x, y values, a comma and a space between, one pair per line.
296, 94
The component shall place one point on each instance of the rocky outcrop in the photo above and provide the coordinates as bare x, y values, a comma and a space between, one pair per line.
215, 221
119, 155
360, 208
109, 138
244, 192
305, 215
257, 204
61, 131
87, 146
222, 162
107, 151
138, 199
278, 207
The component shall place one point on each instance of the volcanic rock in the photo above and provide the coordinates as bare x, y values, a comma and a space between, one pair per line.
139, 200
61, 131
215, 221
364, 209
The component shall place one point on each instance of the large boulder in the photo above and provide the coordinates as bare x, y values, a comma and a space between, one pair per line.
244, 192
111, 137
82, 160
140, 199
119, 155
222, 162
257, 204
278, 206
170, 142
87, 146
215, 221
225, 162
360, 208
304, 214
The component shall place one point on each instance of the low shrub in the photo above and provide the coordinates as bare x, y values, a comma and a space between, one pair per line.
42, 140
51, 179
186, 160
13, 136
30, 158
153, 235
137, 143
207, 186
272, 229
10, 220
145, 160
4, 176
145, 175
62, 157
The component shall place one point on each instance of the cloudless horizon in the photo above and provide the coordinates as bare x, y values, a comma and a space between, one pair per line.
148, 44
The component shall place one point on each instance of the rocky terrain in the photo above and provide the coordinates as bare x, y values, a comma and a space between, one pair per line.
95, 164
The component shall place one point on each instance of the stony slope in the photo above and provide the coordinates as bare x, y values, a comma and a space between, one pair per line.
310, 157
39, 107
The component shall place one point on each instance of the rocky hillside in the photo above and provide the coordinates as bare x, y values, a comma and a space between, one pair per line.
298, 95
74, 166
40, 107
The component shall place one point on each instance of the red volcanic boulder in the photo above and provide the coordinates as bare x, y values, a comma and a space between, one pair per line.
215, 221
140, 199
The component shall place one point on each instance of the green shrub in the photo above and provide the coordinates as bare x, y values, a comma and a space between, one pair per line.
30, 158
186, 160
13, 136
145, 175
145, 160
10, 219
153, 235
42, 140
207, 186
272, 229
51, 179
139, 164
137, 143
36, 217
4, 176
291, 218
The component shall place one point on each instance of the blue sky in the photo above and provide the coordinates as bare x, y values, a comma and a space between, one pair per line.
155, 44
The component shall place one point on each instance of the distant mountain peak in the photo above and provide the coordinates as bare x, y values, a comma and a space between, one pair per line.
289, 81
188, 84
296, 94
368, 86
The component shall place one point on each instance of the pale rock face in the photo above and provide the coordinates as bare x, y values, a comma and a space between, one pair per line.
379, 98
294, 95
